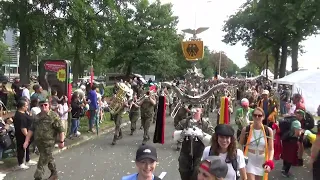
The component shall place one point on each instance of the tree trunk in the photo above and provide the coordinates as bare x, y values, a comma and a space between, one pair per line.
276, 55
294, 56
129, 68
76, 63
283, 63
23, 58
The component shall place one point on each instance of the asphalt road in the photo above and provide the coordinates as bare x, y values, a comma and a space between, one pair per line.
98, 160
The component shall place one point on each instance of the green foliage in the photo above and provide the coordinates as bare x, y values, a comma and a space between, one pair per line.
271, 24
115, 36
3, 52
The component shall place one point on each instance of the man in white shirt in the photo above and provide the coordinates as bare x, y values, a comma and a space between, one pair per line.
26, 92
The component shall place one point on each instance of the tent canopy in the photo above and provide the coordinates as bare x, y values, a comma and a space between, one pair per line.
305, 82
270, 74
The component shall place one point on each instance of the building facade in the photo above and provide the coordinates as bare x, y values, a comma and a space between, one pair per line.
11, 65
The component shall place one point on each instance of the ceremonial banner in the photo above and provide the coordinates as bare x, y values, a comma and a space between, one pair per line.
193, 50
159, 134
224, 111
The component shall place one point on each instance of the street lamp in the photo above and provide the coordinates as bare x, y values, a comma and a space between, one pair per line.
9, 55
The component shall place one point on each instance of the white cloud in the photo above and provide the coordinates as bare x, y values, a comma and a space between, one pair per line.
213, 13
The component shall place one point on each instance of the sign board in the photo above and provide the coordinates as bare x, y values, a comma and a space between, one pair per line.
55, 74
193, 50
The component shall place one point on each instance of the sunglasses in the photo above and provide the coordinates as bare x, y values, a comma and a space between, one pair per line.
257, 115
45, 105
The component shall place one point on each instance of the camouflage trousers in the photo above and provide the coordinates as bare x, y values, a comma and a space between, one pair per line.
45, 159
145, 122
117, 123
133, 116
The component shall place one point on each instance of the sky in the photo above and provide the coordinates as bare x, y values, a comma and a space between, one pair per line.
212, 13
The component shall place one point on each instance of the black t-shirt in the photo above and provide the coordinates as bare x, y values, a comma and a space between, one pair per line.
16, 88
20, 120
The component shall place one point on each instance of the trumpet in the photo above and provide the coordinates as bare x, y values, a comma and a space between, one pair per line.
145, 96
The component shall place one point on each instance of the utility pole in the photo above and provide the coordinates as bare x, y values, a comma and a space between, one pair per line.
220, 63
37, 66
267, 65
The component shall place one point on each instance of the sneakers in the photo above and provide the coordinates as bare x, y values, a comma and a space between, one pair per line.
23, 166
31, 163
286, 175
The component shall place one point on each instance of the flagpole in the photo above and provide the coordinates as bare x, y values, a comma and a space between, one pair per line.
91, 74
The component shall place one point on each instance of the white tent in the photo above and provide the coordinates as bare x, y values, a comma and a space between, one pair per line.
306, 82
270, 74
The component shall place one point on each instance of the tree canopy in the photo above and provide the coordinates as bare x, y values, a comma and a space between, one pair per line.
115, 36
274, 27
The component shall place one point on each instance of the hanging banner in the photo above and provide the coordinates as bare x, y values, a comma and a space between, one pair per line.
193, 50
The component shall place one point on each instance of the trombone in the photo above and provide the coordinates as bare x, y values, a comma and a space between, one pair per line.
176, 110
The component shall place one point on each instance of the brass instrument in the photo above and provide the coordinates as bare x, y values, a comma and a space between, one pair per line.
176, 110
152, 93
119, 98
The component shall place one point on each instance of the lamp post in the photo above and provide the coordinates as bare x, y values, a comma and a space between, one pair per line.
9, 55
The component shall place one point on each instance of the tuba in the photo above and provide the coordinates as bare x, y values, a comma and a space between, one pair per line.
119, 98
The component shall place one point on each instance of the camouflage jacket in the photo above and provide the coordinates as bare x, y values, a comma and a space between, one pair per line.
204, 125
147, 108
198, 146
46, 127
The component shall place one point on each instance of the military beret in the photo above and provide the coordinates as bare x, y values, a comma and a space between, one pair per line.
44, 101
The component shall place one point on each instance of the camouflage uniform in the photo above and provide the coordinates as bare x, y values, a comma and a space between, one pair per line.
133, 116
46, 127
147, 114
117, 123
188, 164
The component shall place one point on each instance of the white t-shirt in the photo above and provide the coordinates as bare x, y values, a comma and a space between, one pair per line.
231, 175
26, 93
35, 111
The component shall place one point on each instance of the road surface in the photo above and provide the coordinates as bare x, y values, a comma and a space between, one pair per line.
98, 160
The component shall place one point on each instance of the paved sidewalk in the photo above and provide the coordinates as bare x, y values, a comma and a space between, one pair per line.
10, 164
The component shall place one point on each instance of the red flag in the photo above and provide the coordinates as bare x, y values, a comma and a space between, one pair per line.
91, 76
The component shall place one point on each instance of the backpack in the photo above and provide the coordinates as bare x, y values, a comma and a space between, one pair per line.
308, 121
247, 134
234, 164
285, 127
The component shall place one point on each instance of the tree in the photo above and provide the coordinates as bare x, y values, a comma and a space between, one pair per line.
277, 22
3, 52
259, 60
32, 20
144, 37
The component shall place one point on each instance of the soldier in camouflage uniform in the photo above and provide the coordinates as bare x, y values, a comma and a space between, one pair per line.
147, 114
188, 162
45, 128
134, 114
117, 122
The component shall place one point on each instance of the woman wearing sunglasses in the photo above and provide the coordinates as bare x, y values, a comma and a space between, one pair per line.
212, 168
257, 140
